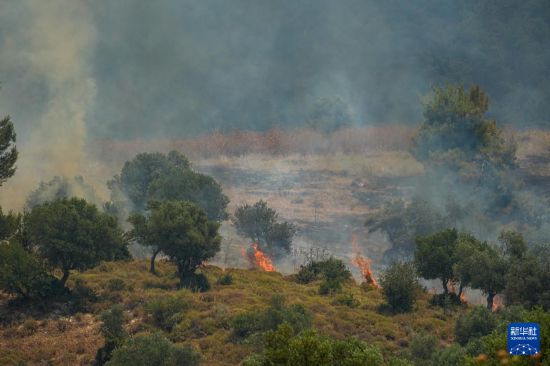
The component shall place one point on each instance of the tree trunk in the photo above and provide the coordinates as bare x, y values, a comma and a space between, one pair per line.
65, 276
445, 289
490, 298
153, 257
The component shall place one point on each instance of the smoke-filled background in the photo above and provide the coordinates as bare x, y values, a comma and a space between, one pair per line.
75, 72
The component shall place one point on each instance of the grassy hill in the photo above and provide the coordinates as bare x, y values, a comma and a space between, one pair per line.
62, 337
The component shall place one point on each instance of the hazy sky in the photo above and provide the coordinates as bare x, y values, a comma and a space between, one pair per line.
136, 68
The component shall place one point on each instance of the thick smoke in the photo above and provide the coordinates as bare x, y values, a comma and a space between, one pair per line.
76, 71
50, 49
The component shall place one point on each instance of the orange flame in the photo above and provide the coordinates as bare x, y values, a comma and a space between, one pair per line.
362, 263
497, 303
258, 259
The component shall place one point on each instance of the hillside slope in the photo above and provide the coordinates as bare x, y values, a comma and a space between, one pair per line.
60, 337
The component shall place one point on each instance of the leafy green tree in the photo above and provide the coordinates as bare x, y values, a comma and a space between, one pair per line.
400, 286
155, 176
8, 151
71, 234
181, 230
514, 244
455, 132
259, 223
147, 350
488, 272
435, 256
22, 273
527, 280
466, 250
329, 114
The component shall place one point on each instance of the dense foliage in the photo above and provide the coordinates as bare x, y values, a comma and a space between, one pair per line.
332, 272
155, 176
181, 231
260, 224
400, 286
72, 234
146, 350
8, 150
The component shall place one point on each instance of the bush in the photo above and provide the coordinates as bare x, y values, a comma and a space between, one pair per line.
248, 323
346, 299
116, 284
23, 275
146, 350
282, 347
113, 332
196, 282
400, 286
474, 324
450, 356
423, 347
225, 279
332, 271
166, 312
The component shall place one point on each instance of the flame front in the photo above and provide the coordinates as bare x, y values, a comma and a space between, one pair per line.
497, 303
258, 259
362, 263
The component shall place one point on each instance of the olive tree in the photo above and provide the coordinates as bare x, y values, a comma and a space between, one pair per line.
259, 223
180, 230
71, 234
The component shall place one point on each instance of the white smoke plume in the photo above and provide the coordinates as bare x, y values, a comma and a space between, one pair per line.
55, 48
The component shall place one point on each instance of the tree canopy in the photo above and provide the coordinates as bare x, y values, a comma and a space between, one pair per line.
71, 234
435, 256
8, 150
180, 230
156, 176
259, 223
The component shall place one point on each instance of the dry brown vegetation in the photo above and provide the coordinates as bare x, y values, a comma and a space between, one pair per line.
272, 142
73, 340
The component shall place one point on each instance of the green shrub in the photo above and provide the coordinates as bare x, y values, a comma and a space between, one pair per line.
346, 299
474, 324
147, 350
453, 355
82, 295
196, 282
306, 274
283, 347
116, 284
225, 279
248, 323
422, 348
332, 271
23, 275
400, 286
113, 332
329, 287
166, 312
